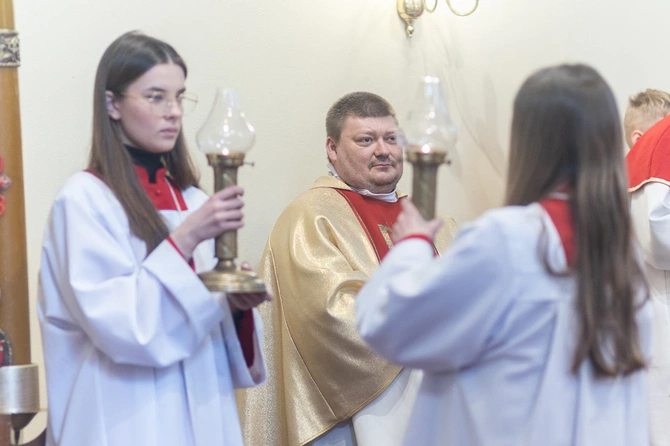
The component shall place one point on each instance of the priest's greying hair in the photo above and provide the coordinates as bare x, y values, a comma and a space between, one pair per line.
360, 104
644, 110
124, 61
566, 133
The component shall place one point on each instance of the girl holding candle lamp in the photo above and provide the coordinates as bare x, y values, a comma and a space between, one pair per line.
137, 350
534, 327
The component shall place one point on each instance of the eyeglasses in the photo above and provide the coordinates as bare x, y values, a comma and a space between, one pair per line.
160, 105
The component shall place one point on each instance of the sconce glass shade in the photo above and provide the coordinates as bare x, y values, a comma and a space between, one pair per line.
226, 129
429, 127
409, 11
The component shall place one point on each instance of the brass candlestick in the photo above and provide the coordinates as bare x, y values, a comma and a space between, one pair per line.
429, 135
225, 137
19, 389
424, 179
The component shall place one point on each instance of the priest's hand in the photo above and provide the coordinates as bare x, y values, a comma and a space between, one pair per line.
247, 301
410, 222
222, 212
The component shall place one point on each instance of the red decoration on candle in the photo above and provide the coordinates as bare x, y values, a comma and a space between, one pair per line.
5, 182
5, 350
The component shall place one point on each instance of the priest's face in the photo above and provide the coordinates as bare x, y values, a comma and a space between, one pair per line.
149, 111
368, 155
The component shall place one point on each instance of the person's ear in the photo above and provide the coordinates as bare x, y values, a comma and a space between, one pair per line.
331, 149
112, 106
635, 136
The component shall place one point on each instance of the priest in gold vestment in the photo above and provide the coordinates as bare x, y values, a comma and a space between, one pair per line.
325, 386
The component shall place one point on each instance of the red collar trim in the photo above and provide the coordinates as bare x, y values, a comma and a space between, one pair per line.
561, 215
160, 192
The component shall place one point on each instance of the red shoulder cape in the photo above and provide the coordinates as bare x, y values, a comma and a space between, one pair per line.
649, 158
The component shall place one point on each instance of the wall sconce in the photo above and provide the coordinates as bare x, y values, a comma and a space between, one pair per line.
410, 10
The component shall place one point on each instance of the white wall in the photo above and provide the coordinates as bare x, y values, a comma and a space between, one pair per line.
291, 59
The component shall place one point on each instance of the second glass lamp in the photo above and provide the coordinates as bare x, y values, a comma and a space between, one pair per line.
430, 135
226, 137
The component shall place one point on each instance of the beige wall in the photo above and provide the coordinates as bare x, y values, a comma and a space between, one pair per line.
291, 59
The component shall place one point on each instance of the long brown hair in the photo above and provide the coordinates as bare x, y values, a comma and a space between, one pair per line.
125, 60
566, 130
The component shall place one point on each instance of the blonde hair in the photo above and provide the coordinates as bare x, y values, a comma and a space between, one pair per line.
644, 110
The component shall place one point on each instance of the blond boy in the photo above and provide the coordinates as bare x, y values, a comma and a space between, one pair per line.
644, 110
647, 131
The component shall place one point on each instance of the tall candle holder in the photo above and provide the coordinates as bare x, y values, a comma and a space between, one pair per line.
226, 136
430, 135
19, 385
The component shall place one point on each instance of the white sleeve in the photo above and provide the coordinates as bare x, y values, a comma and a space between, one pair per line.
651, 214
437, 314
152, 314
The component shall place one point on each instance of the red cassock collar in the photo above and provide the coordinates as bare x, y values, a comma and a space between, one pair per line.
159, 192
561, 215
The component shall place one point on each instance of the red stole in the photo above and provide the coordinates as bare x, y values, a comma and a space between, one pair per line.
649, 159
561, 215
376, 217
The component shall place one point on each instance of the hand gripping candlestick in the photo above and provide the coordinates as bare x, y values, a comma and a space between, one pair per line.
430, 135
225, 137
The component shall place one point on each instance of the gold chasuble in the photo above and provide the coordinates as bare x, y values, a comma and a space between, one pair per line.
322, 249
